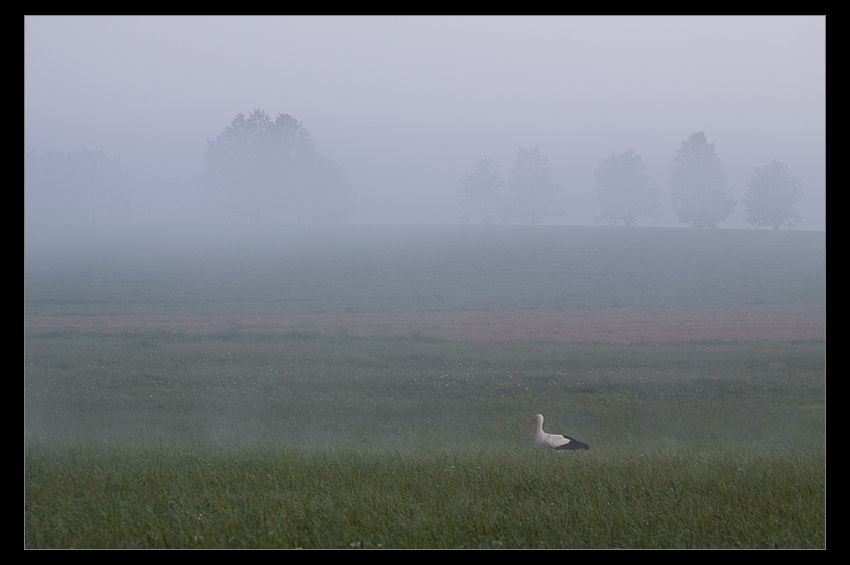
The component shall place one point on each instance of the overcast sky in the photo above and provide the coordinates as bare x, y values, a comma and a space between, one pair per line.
408, 104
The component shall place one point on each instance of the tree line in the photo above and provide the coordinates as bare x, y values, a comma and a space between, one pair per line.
624, 191
256, 170
259, 169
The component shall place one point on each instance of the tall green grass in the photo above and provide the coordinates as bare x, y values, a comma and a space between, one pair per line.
181, 495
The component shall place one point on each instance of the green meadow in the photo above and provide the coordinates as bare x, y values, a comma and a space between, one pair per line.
156, 439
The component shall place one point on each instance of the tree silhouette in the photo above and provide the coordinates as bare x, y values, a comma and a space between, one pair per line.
772, 197
623, 189
259, 169
699, 184
533, 192
484, 190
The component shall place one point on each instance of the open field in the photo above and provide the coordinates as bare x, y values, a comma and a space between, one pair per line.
746, 321
404, 269
292, 440
410, 392
369, 388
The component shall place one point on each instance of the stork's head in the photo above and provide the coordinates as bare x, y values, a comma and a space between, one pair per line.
537, 418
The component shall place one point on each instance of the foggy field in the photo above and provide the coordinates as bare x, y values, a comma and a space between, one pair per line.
154, 437
359, 269
296, 440
407, 393
159, 440
300, 281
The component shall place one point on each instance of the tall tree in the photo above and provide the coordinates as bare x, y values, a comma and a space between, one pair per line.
483, 189
83, 186
772, 196
259, 169
623, 189
699, 184
533, 192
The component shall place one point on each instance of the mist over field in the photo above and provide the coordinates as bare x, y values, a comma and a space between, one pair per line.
406, 106
298, 282
284, 270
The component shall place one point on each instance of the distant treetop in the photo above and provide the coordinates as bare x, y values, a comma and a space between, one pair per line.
699, 191
263, 170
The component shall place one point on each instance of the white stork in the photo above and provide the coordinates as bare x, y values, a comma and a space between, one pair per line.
553, 441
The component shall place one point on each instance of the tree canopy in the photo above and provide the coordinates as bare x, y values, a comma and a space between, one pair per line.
532, 189
79, 187
772, 196
483, 189
623, 189
699, 191
264, 170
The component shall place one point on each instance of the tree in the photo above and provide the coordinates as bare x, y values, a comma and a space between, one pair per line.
699, 184
772, 196
484, 190
83, 186
533, 192
259, 169
623, 189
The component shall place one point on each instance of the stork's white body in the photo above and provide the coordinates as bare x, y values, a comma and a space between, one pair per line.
554, 441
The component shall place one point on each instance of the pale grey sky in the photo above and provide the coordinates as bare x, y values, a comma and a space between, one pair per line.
409, 104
